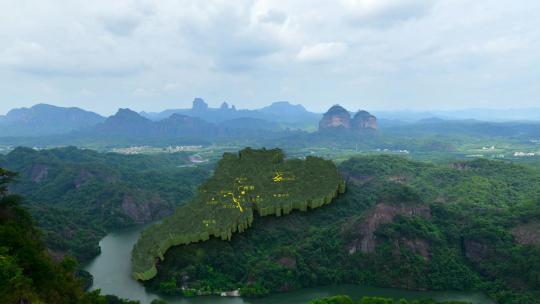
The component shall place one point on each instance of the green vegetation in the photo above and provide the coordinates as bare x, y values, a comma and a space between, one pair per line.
469, 225
27, 272
77, 195
252, 180
375, 300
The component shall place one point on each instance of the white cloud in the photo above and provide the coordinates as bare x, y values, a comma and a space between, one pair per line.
384, 13
141, 92
321, 52
247, 51
273, 16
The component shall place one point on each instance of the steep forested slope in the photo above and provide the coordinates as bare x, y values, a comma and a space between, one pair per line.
341, 299
27, 272
78, 195
243, 184
464, 226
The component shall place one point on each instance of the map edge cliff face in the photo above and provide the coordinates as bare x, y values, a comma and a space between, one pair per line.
156, 240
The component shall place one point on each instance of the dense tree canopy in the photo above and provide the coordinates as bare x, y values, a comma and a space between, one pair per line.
78, 195
458, 226
27, 272
243, 185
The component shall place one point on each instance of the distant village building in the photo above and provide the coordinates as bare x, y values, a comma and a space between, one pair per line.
233, 293
524, 154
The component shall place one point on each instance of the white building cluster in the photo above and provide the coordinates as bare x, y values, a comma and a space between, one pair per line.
524, 154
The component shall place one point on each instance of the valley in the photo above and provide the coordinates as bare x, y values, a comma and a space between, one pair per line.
112, 275
400, 224
269, 152
386, 205
251, 181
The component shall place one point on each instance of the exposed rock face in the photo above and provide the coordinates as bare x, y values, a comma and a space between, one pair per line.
458, 166
39, 172
143, 211
83, 177
56, 255
339, 117
383, 213
363, 120
527, 234
418, 246
289, 262
335, 117
476, 251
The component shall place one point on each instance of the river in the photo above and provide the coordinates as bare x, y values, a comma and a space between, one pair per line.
111, 272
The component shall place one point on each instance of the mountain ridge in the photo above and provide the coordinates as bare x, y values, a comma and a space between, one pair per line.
279, 111
45, 119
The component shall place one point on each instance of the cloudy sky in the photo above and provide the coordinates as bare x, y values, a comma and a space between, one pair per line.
372, 54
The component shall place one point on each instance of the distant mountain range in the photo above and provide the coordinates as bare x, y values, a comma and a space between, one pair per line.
127, 126
280, 112
280, 122
43, 119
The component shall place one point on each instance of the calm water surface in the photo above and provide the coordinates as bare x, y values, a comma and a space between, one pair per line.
111, 271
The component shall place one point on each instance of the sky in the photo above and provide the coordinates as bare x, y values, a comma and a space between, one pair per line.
369, 54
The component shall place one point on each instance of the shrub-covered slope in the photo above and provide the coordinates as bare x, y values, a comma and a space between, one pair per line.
27, 273
251, 181
341, 299
462, 226
77, 195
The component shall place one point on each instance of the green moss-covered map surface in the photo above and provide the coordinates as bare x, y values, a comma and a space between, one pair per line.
251, 181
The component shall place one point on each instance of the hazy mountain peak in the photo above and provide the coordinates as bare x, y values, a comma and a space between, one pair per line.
199, 104
279, 106
44, 119
361, 113
40, 108
338, 117
337, 109
126, 115
126, 112
177, 117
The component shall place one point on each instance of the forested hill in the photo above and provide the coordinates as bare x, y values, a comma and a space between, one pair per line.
471, 225
244, 184
77, 196
27, 272
44, 119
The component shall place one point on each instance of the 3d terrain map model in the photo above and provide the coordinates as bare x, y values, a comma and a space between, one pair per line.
252, 180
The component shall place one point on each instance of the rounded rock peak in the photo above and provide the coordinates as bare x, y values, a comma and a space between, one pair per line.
336, 110
362, 113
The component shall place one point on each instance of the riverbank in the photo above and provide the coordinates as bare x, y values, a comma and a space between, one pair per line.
112, 274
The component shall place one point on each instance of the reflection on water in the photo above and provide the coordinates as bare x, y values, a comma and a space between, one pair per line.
111, 271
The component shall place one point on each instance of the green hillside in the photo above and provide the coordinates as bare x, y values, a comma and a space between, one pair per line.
28, 274
260, 181
461, 226
341, 299
78, 195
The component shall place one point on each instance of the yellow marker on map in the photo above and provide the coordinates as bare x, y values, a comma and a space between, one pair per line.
235, 200
278, 177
